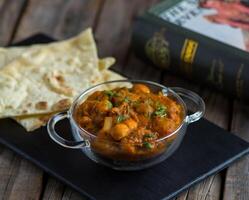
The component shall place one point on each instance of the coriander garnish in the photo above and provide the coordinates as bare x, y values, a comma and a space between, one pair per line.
120, 118
147, 145
149, 135
160, 110
110, 93
127, 100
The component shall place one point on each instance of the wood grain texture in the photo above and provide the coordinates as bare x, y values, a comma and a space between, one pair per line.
114, 28
39, 16
53, 190
10, 11
207, 189
137, 69
77, 16
70, 194
237, 178
58, 18
8, 161
19, 179
25, 183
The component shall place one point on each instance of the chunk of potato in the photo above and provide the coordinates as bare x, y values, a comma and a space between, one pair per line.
164, 125
132, 124
119, 131
140, 88
107, 124
145, 109
103, 106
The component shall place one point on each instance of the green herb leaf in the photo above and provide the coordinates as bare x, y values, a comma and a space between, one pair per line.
147, 145
149, 135
110, 93
161, 110
121, 118
127, 100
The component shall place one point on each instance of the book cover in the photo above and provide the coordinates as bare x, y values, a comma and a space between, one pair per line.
201, 41
224, 21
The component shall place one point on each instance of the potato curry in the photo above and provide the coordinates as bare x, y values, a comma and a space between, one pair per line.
128, 122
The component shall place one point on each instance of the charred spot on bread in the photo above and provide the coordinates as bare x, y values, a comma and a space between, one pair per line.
41, 105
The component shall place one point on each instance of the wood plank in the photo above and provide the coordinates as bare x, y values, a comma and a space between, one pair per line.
8, 160
217, 108
114, 28
54, 190
10, 11
19, 179
25, 182
207, 189
70, 194
58, 18
237, 178
77, 16
137, 69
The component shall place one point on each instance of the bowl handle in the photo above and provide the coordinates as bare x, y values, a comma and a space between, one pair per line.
58, 139
193, 98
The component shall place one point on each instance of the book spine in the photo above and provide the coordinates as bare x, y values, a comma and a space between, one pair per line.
192, 56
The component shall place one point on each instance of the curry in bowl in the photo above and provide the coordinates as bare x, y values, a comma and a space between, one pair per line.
129, 123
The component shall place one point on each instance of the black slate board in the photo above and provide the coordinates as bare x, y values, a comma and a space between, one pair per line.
206, 149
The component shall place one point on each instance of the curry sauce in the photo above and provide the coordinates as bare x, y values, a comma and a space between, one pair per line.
129, 122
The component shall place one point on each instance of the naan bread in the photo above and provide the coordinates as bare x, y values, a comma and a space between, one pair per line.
9, 54
109, 75
47, 79
32, 122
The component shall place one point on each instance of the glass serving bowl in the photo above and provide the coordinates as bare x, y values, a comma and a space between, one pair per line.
110, 154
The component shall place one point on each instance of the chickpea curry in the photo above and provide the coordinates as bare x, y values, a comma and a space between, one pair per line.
128, 122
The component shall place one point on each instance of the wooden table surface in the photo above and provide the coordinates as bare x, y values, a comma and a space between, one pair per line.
111, 21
